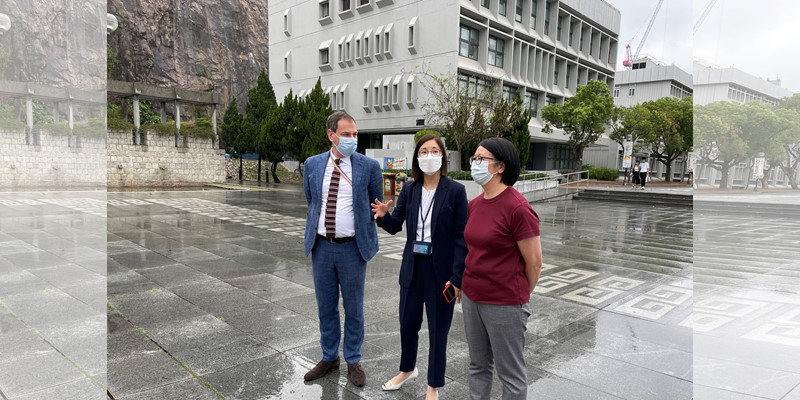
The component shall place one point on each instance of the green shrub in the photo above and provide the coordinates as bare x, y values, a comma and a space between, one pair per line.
460, 175
118, 124
530, 177
53, 128
603, 174
424, 132
167, 129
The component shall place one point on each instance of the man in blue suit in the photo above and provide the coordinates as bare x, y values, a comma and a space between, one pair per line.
341, 236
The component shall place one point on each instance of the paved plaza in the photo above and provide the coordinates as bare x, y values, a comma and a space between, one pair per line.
206, 295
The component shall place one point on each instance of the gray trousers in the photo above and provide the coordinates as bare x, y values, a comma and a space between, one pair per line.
496, 337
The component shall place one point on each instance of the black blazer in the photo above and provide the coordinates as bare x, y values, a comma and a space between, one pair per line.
448, 219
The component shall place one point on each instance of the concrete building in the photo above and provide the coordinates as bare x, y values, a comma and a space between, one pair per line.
730, 84
370, 55
714, 84
647, 80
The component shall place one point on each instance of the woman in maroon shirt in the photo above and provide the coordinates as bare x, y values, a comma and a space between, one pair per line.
504, 260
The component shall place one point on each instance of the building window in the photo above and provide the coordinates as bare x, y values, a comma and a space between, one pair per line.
518, 13
377, 42
568, 76
532, 100
558, 28
468, 42
551, 100
367, 51
387, 41
345, 5
547, 18
324, 57
501, 7
485, 3
496, 51
363, 2
365, 99
631, 91
616, 92
472, 86
287, 64
287, 22
324, 9
555, 72
509, 93
534, 6
571, 28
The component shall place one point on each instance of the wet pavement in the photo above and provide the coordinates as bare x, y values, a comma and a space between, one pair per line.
746, 316
209, 296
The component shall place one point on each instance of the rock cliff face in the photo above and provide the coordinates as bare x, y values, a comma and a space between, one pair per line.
56, 42
203, 45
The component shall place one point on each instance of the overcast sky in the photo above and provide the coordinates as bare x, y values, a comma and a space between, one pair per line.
758, 37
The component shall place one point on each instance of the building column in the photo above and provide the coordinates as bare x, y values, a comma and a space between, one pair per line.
163, 112
177, 121
137, 121
56, 114
29, 118
214, 125
70, 122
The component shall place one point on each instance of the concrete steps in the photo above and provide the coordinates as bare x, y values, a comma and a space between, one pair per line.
637, 196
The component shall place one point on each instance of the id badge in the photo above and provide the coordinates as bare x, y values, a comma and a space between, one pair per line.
423, 248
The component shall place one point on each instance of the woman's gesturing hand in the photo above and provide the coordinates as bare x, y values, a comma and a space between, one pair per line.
380, 209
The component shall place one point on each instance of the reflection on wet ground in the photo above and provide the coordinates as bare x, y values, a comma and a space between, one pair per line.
746, 315
209, 295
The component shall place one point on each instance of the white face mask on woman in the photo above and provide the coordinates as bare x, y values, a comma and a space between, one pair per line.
430, 164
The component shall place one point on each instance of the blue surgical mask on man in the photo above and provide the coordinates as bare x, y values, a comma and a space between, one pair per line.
347, 145
480, 172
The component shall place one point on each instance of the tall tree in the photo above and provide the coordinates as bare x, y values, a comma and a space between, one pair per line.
789, 111
583, 117
260, 102
718, 138
670, 127
231, 130
312, 125
275, 130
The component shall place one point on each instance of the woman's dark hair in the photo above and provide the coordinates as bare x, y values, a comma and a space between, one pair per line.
416, 172
505, 152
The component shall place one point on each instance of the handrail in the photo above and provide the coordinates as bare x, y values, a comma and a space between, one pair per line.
551, 177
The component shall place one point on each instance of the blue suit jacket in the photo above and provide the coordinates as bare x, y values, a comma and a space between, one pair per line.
367, 186
449, 217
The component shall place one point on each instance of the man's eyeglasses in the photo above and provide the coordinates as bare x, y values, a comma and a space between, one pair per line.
434, 152
479, 159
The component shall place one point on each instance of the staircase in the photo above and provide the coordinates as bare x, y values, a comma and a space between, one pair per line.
789, 211
637, 196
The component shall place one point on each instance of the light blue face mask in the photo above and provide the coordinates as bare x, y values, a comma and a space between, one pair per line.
480, 172
347, 146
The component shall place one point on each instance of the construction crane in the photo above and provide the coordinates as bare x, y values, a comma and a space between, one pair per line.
704, 15
628, 62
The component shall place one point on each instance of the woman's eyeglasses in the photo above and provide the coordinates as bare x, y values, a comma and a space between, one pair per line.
434, 152
479, 159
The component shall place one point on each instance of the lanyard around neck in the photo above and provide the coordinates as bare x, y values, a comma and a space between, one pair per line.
424, 215
336, 166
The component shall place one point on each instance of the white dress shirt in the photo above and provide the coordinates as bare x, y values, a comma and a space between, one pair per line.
644, 167
426, 203
345, 217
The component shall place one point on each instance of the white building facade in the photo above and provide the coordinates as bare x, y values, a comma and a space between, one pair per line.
714, 84
370, 55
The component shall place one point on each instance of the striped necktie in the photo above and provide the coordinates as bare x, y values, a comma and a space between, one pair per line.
330, 209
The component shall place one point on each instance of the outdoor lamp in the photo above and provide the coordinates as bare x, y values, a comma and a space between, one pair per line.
111, 23
5, 23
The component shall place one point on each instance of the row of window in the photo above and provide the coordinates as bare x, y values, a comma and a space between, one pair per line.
600, 45
387, 93
743, 95
631, 92
344, 8
679, 91
363, 47
476, 87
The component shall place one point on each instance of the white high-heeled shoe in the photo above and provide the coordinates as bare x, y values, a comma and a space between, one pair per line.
391, 386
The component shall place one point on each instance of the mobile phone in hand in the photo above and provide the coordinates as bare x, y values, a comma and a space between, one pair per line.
449, 292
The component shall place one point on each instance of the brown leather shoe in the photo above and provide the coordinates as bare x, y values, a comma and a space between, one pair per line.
356, 374
321, 369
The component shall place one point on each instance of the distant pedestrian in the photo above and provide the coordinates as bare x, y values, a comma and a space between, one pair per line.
644, 168
636, 175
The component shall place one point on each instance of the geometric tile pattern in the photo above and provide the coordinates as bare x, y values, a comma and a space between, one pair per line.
656, 303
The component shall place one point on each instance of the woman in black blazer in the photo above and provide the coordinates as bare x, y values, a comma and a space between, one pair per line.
434, 208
